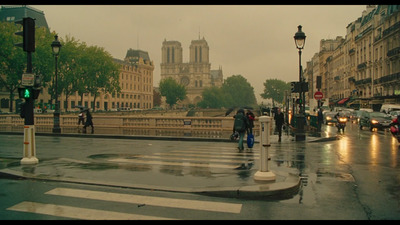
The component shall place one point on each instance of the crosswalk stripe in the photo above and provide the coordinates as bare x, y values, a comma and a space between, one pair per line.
188, 164
204, 155
78, 213
161, 157
220, 152
149, 200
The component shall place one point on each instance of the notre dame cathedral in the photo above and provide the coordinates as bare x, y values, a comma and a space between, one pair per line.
196, 75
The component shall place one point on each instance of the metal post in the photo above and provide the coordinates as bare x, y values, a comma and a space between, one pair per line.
265, 132
29, 148
56, 124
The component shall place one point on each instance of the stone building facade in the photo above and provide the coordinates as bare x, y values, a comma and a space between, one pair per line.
195, 75
136, 82
363, 70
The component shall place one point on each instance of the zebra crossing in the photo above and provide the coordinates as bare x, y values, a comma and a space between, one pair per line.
74, 212
217, 157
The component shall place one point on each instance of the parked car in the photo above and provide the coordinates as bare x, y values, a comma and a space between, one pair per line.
373, 120
329, 117
387, 108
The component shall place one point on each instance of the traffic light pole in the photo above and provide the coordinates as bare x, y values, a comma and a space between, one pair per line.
29, 148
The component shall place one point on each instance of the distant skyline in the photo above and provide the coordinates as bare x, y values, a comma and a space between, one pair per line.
255, 41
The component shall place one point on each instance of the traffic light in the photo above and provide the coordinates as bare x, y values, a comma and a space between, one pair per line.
25, 92
28, 92
292, 87
28, 34
295, 87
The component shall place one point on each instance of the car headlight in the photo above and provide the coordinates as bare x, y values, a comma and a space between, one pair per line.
374, 121
343, 119
328, 118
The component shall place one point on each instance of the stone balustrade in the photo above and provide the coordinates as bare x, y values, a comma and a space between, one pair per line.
129, 122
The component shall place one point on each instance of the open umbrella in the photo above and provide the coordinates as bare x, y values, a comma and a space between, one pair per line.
229, 111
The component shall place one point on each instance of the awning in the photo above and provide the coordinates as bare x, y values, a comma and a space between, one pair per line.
343, 101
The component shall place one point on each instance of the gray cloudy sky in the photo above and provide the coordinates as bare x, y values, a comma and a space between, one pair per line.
255, 41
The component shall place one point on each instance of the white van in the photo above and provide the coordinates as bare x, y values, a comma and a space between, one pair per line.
386, 108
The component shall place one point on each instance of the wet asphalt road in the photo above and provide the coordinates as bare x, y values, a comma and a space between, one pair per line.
355, 177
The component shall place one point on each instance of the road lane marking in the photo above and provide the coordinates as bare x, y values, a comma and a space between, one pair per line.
244, 153
149, 200
162, 157
78, 213
164, 163
205, 155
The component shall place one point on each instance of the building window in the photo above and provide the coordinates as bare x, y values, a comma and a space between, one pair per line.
173, 55
167, 55
200, 54
195, 54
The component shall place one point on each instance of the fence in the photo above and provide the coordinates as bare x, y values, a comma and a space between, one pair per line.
131, 124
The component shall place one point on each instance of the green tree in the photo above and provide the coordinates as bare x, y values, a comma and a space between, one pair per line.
212, 97
275, 90
172, 91
13, 59
100, 71
156, 98
238, 92
70, 70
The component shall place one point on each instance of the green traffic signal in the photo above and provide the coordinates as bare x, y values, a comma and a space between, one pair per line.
27, 93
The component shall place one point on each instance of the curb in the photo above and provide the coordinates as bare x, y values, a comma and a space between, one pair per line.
268, 190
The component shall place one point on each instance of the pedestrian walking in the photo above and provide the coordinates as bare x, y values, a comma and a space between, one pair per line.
81, 118
240, 125
89, 121
250, 117
320, 118
279, 118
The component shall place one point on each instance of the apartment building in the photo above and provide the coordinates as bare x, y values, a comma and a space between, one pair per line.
363, 69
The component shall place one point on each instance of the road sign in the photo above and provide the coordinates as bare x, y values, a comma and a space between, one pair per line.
28, 79
318, 95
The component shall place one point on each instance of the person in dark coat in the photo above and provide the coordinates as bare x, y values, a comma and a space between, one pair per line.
250, 117
320, 118
241, 132
279, 118
89, 121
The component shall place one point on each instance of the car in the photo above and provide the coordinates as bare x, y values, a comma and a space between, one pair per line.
394, 114
378, 120
329, 117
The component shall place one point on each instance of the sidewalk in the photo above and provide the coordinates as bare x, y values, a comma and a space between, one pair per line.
64, 164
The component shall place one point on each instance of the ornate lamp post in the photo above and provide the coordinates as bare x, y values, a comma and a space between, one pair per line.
56, 46
300, 40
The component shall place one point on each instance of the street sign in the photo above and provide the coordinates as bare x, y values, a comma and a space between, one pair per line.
318, 95
28, 79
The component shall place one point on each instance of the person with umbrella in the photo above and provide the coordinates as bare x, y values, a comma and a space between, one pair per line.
89, 121
81, 118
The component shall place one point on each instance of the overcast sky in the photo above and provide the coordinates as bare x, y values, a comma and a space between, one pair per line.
255, 41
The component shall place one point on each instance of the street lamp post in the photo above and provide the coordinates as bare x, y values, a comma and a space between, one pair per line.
56, 46
300, 40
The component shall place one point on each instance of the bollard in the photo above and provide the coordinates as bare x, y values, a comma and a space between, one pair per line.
29, 151
265, 132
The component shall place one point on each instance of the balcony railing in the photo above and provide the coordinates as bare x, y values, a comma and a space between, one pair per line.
362, 66
388, 78
391, 29
393, 52
363, 81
